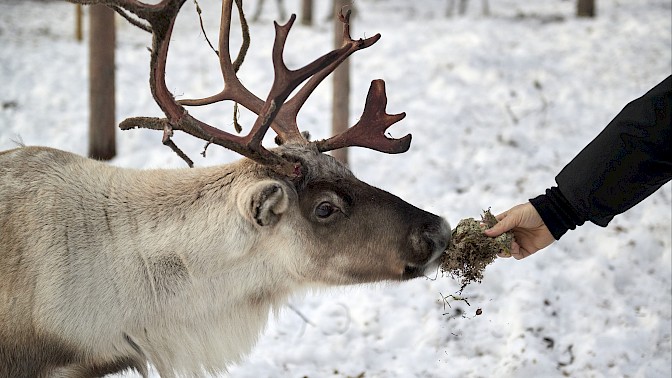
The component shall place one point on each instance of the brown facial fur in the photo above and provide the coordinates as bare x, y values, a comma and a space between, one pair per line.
372, 236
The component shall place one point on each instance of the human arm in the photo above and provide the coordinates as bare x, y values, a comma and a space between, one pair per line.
629, 160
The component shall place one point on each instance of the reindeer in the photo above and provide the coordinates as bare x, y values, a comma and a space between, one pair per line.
104, 269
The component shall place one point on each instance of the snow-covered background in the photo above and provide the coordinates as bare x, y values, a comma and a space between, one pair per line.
497, 106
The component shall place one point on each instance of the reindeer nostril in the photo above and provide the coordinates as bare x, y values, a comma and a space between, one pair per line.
437, 238
428, 242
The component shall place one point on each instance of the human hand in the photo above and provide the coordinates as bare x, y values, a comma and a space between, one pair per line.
529, 230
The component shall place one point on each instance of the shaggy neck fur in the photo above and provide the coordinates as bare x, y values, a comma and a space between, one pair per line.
182, 280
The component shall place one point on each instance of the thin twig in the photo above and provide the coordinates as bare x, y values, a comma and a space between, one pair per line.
453, 297
303, 317
199, 11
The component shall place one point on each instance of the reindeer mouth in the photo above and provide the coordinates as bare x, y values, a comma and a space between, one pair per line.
435, 242
412, 271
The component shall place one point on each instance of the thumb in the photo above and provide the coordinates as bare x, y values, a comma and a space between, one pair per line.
504, 225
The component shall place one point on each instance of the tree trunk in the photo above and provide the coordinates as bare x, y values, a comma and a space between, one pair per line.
282, 14
585, 8
79, 33
257, 13
341, 88
486, 8
306, 12
101, 83
462, 7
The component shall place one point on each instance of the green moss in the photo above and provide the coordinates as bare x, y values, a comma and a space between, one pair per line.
470, 250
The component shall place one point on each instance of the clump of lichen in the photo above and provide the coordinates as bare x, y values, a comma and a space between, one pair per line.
470, 250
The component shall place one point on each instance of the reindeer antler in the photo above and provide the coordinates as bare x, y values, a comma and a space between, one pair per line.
274, 112
369, 131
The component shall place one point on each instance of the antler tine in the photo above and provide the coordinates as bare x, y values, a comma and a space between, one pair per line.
233, 90
161, 18
284, 120
284, 83
288, 114
281, 118
369, 131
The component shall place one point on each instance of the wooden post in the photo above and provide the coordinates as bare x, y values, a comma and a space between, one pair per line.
341, 88
101, 83
306, 12
462, 7
585, 8
79, 36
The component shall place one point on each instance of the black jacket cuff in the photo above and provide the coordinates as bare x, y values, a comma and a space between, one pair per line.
556, 212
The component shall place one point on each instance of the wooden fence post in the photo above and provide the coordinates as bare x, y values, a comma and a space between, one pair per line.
102, 122
341, 86
79, 36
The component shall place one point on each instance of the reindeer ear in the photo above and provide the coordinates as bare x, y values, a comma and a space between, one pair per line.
264, 202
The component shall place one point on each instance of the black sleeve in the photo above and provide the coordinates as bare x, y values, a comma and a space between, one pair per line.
628, 161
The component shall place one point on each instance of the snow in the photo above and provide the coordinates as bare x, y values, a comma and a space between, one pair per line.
497, 106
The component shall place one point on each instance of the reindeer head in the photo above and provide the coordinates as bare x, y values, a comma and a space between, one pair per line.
328, 227
345, 230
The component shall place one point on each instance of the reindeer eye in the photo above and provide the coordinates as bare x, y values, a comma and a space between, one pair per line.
325, 209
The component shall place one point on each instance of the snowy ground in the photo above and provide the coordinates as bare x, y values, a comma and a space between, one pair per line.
497, 106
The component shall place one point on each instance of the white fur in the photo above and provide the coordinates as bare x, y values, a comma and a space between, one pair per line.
178, 268
204, 315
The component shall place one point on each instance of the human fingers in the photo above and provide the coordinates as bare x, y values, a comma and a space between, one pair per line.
522, 253
501, 216
513, 251
532, 241
505, 224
